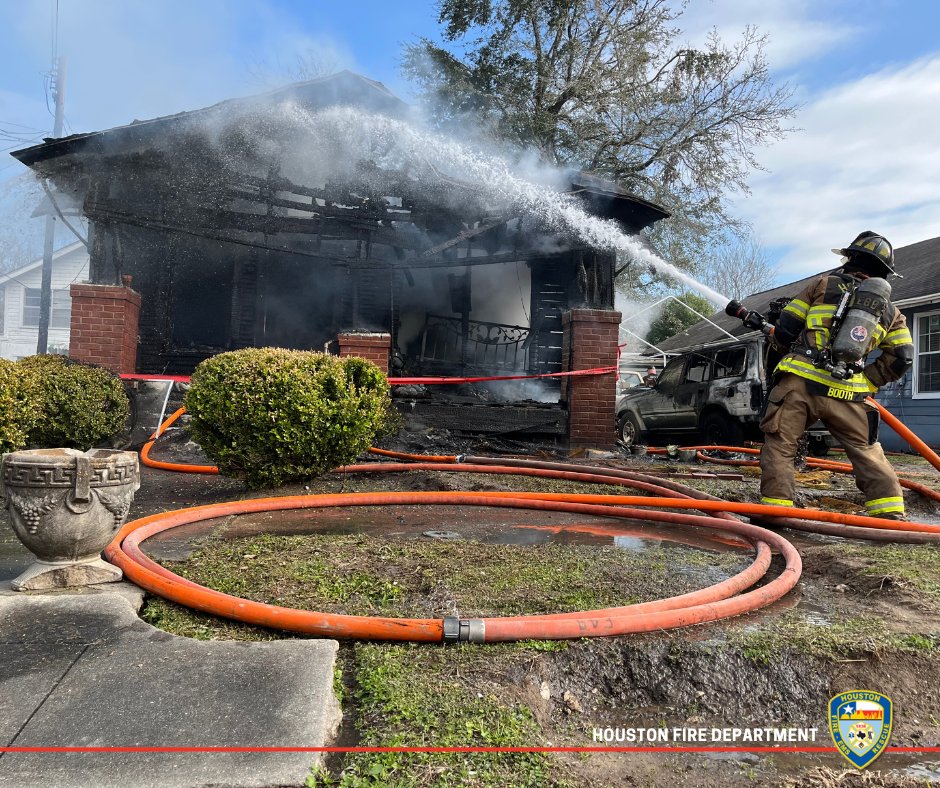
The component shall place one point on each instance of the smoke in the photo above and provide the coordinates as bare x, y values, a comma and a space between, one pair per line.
637, 318
518, 390
342, 149
22, 233
342, 152
349, 136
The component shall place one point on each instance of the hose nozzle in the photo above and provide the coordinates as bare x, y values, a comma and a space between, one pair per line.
736, 309
750, 318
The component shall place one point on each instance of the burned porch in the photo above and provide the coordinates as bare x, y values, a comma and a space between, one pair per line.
241, 225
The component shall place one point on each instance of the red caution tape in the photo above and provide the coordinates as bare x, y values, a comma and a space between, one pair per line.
424, 380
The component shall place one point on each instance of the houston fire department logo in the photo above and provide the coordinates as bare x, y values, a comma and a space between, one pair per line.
859, 333
860, 723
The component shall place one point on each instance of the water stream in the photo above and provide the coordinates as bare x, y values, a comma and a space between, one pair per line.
401, 145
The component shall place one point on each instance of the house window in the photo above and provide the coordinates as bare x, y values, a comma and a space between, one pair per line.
60, 315
927, 345
3, 291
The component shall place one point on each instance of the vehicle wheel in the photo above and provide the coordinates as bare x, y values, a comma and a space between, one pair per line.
628, 430
720, 429
818, 445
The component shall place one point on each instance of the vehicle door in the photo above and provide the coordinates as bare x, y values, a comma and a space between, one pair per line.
658, 407
737, 385
689, 397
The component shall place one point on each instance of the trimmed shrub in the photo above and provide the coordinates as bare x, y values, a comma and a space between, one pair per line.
78, 405
272, 416
18, 413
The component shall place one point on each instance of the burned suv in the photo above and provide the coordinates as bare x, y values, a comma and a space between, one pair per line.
714, 392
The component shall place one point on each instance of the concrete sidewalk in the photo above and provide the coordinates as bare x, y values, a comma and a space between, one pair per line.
80, 669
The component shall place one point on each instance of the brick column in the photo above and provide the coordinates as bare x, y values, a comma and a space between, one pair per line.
104, 326
374, 347
590, 341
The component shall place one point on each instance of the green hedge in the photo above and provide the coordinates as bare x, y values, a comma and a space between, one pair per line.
272, 416
18, 413
77, 405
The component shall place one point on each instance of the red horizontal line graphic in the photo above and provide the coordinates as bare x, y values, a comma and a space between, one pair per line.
599, 748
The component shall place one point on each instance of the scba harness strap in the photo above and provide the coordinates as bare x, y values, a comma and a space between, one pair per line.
812, 355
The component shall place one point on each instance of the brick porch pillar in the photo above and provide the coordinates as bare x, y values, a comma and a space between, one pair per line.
103, 329
590, 341
374, 347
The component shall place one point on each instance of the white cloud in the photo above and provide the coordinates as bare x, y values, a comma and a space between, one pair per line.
798, 30
866, 158
134, 60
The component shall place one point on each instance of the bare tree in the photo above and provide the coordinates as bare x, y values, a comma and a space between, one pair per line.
309, 64
739, 269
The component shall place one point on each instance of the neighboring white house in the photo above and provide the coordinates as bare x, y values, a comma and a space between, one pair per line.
19, 303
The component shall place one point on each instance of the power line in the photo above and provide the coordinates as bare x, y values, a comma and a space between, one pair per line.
17, 144
22, 126
14, 136
52, 78
47, 81
14, 133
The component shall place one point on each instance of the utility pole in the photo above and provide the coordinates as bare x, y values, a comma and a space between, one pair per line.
45, 292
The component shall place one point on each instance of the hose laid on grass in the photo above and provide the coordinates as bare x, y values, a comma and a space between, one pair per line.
828, 529
719, 601
715, 602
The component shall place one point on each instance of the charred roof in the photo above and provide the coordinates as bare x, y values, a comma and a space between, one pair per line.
344, 87
231, 138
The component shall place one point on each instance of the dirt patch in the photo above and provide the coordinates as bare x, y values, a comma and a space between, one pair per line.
830, 778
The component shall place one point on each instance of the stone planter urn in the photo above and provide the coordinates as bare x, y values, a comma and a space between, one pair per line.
66, 506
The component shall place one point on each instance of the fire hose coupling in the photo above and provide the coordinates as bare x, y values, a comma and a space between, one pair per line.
460, 458
464, 630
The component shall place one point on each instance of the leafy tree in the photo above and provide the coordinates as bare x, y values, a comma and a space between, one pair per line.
609, 86
677, 316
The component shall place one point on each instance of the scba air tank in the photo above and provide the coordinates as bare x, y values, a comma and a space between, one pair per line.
853, 339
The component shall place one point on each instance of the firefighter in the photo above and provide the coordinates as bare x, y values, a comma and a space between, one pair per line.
812, 382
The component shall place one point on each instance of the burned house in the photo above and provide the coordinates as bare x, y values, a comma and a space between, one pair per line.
251, 223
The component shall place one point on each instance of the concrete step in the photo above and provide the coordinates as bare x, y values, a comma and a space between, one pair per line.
80, 669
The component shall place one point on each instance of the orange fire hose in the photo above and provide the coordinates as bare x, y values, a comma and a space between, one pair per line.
916, 443
829, 529
460, 463
171, 466
719, 601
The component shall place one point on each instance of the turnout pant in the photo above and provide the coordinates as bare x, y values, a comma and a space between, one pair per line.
790, 411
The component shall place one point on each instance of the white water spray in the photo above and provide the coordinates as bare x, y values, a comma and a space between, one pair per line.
376, 133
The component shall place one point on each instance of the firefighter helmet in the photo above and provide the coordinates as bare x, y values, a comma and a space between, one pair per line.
874, 247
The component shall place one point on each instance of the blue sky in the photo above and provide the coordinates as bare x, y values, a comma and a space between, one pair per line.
866, 72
